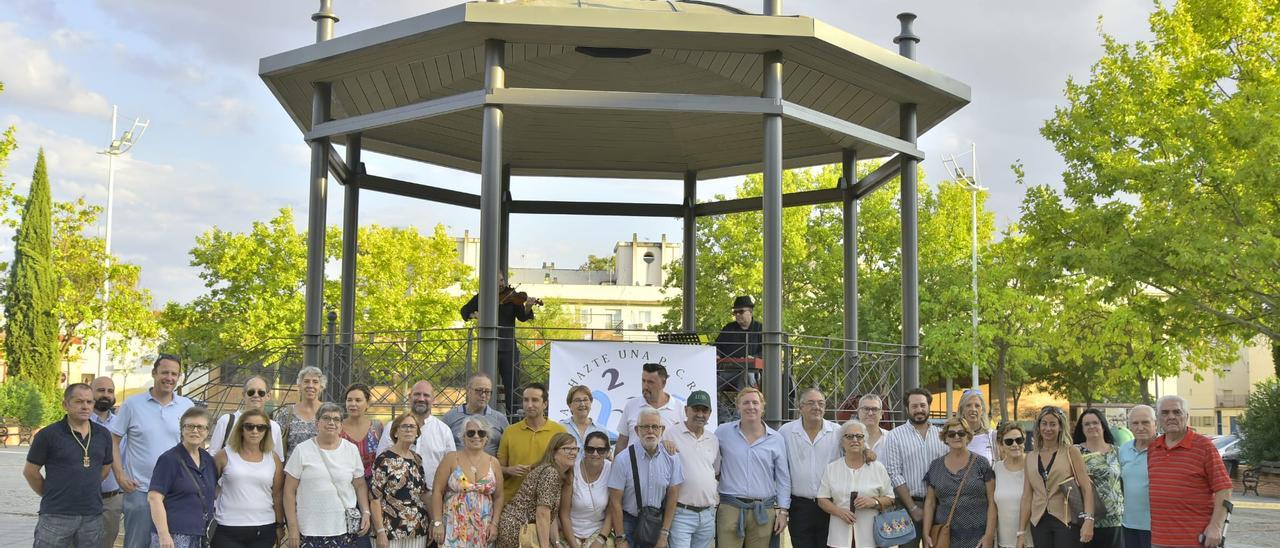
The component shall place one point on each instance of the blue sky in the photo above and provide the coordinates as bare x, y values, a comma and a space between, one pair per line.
221, 152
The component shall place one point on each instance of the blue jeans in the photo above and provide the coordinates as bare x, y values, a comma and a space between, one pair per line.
692, 529
137, 520
61, 531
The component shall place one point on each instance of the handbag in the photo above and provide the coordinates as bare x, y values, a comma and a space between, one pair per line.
942, 534
351, 511
210, 526
1070, 489
894, 527
649, 522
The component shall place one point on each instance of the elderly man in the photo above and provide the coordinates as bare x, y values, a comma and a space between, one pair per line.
870, 412
524, 443
699, 451
76, 456
104, 401
479, 390
812, 443
1188, 482
435, 438
148, 426
755, 478
908, 451
1133, 473
653, 386
660, 476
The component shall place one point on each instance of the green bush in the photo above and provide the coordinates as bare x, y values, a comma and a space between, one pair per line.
21, 400
1261, 423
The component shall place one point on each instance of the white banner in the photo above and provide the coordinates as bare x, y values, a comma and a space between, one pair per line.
612, 371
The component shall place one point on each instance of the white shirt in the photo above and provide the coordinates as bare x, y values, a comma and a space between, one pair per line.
586, 512
672, 414
218, 438
700, 459
809, 458
983, 444
244, 492
324, 486
435, 441
838, 482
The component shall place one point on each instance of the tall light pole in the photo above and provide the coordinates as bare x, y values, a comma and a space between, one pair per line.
118, 147
970, 183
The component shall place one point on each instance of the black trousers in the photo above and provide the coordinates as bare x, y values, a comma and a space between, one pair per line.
509, 372
248, 536
807, 523
1106, 537
1052, 533
1137, 538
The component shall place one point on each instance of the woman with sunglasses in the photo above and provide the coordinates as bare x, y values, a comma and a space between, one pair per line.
398, 495
324, 488
854, 475
250, 486
961, 495
1044, 506
584, 509
1009, 483
255, 397
531, 516
467, 500
1102, 463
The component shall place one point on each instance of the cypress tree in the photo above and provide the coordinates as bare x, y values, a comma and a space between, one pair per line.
31, 333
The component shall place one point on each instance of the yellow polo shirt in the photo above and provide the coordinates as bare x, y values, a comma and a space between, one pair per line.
521, 444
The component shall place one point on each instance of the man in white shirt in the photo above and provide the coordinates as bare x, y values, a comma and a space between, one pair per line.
694, 525
653, 386
436, 438
812, 443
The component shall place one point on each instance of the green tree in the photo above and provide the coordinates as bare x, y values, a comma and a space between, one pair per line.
1261, 422
1170, 183
31, 330
1013, 317
593, 262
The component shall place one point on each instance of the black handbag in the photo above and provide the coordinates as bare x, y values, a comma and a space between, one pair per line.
649, 523
210, 526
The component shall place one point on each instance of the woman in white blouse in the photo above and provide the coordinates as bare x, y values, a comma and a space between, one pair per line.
854, 476
324, 488
584, 504
256, 396
1010, 483
249, 509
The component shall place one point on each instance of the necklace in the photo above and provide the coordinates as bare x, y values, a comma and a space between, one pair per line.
85, 446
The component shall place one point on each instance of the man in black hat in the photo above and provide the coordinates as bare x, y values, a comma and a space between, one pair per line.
741, 337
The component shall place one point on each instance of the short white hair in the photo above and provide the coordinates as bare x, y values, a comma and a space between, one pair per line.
850, 425
649, 412
1141, 407
1182, 402
312, 371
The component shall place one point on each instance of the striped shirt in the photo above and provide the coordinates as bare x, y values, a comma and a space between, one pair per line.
907, 455
1183, 479
809, 458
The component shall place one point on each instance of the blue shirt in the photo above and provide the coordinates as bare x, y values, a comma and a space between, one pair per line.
657, 473
753, 470
183, 507
149, 429
70, 487
1133, 473
110, 484
572, 429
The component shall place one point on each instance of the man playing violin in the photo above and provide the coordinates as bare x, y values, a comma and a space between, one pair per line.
512, 306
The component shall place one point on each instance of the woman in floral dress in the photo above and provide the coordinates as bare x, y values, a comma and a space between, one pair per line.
1102, 462
471, 502
399, 495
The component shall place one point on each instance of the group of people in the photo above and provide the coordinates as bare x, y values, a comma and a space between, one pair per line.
320, 474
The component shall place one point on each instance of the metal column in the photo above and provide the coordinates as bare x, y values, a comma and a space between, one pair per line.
849, 207
491, 228
689, 288
910, 236
313, 320
504, 249
772, 210
350, 251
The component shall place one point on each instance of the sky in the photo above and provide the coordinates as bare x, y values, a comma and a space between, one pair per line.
221, 152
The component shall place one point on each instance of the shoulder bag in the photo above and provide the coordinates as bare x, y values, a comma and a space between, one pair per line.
351, 509
1075, 499
894, 527
210, 526
649, 521
942, 534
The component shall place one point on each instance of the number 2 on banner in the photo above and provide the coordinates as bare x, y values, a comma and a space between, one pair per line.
612, 375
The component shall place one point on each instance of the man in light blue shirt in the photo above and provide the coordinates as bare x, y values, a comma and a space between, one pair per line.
755, 478
812, 443
479, 390
660, 478
148, 426
1133, 474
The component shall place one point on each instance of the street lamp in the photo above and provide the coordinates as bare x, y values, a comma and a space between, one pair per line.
118, 147
970, 183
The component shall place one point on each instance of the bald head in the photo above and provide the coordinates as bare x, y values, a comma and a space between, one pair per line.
422, 398
104, 394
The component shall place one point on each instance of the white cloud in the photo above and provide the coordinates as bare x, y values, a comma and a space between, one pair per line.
227, 114
69, 39
33, 77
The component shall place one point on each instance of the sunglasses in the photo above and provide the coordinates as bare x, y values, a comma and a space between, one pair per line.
250, 427
855, 437
1014, 441
957, 434
597, 450
742, 311
255, 393
477, 434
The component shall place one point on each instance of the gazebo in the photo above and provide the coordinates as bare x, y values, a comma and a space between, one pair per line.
680, 90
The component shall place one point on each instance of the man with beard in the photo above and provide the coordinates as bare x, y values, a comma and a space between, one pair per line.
104, 401
76, 455
694, 525
908, 451
660, 478
479, 390
525, 442
653, 386
755, 480
435, 439
812, 443
148, 424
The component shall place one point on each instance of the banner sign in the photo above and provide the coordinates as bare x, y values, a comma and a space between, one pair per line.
612, 370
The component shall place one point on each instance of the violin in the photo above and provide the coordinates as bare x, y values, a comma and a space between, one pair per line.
509, 295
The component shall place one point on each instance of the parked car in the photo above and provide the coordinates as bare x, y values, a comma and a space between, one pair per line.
1229, 448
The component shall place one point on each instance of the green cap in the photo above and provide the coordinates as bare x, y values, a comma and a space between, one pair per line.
699, 397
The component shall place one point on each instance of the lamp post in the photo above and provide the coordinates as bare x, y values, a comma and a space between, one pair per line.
118, 147
970, 183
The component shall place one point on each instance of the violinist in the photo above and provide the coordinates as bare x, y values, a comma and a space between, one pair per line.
512, 306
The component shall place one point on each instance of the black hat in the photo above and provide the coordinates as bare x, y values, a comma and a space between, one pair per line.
744, 301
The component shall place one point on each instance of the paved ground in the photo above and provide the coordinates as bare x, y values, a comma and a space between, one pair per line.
1255, 524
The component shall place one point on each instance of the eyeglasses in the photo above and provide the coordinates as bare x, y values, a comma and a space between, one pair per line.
957, 434
741, 310
250, 427
482, 391
596, 450
870, 409
408, 426
255, 393
580, 401
971, 392
330, 419
195, 427
568, 449
855, 437
1014, 441
477, 434
649, 427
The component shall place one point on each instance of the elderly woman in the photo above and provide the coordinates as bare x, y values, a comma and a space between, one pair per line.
1044, 506
467, 500
399, 489
360, 429
579, 423
584, 506
255, 397
530, 518
325, 496
973, 409
1133, 475
856, 475
182, 487
1009, 469
962, 491
1102, 463
250, 486
299, 420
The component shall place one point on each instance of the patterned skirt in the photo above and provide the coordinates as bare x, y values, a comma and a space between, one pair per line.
179, 541
340, 541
